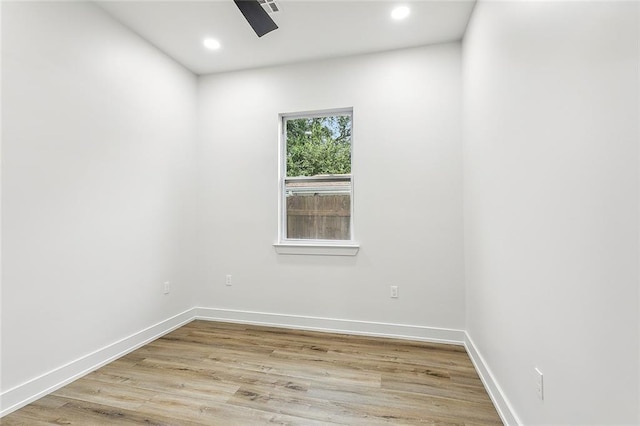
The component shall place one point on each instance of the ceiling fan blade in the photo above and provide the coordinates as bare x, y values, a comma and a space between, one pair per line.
256, 16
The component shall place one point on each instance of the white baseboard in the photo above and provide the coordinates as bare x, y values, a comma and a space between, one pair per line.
499, 399
362, 328
28, 392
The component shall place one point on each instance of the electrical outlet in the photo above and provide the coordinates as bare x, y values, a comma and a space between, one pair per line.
394, 291
539, 384
227, 280
167, 287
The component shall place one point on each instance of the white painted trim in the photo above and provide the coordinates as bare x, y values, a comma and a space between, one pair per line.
498, 397
331, 325
317, 249
28, 392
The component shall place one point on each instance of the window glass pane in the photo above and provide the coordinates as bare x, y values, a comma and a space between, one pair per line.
319, 209
318, 146
317, 178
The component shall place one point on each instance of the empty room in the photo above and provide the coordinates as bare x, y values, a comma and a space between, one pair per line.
320, 212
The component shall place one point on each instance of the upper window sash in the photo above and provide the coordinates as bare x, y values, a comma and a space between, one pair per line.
318, 114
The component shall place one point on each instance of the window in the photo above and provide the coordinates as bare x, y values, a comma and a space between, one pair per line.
316, 183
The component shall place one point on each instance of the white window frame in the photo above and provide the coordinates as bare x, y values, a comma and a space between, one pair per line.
310, 246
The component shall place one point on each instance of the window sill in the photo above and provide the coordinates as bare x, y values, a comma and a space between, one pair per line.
348, 249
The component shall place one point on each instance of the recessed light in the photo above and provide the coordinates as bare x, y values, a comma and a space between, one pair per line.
400, 12
211, 43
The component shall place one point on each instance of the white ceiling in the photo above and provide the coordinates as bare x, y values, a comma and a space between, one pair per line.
307, 29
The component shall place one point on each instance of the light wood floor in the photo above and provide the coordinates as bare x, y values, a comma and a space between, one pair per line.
208, 373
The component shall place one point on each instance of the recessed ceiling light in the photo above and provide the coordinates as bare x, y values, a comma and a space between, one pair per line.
400, 12
211, 43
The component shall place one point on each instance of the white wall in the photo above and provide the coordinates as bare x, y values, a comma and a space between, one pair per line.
551, 205
408, 194
98, 185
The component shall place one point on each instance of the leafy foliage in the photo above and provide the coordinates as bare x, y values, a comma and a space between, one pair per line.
319, 146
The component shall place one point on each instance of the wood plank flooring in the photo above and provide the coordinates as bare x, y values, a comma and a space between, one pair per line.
209, 373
